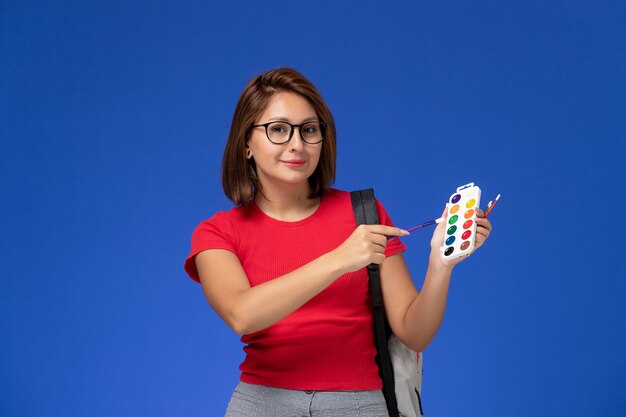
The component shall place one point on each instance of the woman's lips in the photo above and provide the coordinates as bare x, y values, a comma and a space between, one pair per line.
294, 163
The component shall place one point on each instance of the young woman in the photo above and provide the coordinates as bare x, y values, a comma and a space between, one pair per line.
285, 268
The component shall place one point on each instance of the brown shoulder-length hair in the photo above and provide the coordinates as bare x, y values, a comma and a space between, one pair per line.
239, 177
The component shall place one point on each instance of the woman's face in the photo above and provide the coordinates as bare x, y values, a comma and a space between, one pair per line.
288, 163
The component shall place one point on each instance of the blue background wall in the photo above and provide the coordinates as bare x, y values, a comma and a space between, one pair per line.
113, 118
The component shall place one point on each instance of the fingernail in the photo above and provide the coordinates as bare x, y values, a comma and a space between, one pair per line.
405, 232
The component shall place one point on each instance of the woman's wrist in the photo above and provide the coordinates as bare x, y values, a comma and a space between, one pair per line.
438, 265
334, 263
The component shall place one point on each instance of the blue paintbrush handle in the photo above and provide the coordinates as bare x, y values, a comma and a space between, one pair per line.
421, 226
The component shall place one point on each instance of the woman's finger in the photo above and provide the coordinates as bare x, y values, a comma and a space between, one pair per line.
382, 229
482, 222
380, 240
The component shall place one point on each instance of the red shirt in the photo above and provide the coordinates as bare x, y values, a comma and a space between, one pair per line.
328, 343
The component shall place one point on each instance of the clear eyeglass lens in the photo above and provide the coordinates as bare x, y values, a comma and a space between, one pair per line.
278, 132
311, 132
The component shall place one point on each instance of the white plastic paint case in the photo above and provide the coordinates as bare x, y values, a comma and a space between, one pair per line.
460, 234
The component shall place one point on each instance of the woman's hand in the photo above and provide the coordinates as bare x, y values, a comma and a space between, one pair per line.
366, 245
483, 229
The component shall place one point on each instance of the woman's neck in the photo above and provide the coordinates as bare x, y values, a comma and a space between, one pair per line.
287, 203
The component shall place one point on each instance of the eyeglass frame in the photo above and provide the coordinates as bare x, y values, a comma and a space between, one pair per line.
323, 127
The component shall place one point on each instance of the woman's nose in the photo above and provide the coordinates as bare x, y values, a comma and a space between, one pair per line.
296, 141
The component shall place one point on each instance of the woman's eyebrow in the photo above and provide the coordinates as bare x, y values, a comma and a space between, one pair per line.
286, 119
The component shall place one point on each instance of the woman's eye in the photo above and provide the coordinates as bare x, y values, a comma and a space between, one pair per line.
278, 128
310, 128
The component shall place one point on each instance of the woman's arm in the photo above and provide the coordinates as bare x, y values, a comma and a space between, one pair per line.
416, 317
249, 309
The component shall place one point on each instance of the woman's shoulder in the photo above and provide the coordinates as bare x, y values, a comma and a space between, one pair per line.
340, 195
334, 197
228, 217
335, 193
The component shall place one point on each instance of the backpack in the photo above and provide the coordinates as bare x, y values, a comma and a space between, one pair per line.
399, 367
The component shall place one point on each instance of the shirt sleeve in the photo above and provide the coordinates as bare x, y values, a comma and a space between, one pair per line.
214, 233
394, 246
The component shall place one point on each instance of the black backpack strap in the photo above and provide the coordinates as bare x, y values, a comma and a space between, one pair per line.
365, 212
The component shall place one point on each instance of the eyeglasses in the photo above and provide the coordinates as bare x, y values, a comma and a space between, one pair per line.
281, 132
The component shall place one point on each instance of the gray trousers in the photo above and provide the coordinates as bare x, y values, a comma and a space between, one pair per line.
258, 401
